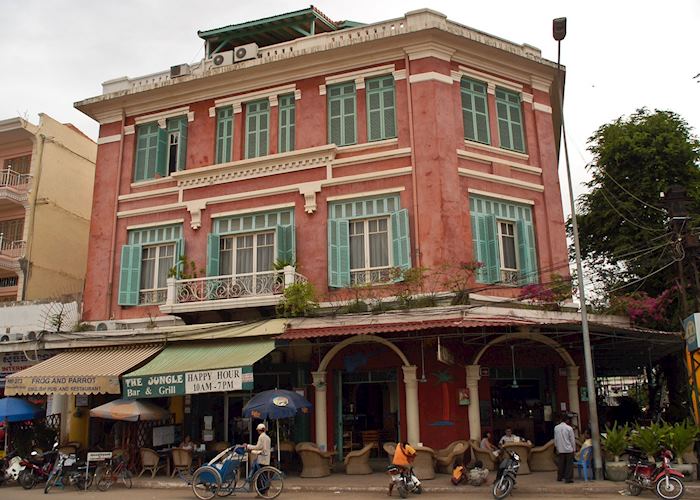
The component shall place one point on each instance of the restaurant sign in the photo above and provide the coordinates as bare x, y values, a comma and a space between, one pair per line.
62, 384
177, 384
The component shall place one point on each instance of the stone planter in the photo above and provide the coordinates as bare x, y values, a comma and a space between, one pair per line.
616, 471
690, 471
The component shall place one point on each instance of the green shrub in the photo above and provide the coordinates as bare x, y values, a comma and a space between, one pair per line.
616, 439
648, 439
681, 436
299, 300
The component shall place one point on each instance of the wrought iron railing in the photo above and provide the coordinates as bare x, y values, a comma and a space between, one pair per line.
14, 249
370, 276
8, 282
10, 178
231, 287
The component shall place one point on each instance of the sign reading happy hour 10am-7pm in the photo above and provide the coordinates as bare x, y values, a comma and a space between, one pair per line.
176, 384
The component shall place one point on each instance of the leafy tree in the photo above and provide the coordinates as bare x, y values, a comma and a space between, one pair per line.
624, 233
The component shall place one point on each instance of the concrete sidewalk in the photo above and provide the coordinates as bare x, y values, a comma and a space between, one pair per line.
540, 483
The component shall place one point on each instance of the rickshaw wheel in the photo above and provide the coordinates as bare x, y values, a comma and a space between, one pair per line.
206, 482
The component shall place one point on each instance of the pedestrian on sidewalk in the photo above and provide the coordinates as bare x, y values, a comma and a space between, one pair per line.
565, 443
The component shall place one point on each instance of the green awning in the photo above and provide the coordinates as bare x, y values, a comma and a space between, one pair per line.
198, 367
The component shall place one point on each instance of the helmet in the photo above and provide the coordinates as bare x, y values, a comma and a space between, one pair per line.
409, 450
261, 427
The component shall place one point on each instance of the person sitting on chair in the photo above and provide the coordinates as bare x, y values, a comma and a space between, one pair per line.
489, 446
187, 443
404, 456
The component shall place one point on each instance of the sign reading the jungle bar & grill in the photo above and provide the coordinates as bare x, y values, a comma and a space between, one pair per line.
176, 384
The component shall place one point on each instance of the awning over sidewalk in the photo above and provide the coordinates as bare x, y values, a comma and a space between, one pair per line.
80, 371
196, 367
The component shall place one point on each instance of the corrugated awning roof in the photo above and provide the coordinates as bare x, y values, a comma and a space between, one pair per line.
80, 371
195, 356
367, 329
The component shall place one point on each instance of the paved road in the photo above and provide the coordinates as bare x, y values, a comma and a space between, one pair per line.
119, 493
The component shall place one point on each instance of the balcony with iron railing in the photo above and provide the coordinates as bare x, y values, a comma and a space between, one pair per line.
11, 249
226, 292
14, 185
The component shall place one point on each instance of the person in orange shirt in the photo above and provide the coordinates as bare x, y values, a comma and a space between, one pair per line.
404, 456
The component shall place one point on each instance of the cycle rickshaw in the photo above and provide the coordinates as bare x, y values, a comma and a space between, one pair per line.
221, 476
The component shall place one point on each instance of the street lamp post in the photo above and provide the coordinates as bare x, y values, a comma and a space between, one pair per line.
559, 32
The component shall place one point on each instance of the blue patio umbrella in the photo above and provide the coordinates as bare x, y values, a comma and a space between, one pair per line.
276, 404
17, 410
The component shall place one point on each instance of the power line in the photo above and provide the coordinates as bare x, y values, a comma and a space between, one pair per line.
602, 192
629, 193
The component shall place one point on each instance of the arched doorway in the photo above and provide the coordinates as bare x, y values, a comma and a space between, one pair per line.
473, 373
410, 384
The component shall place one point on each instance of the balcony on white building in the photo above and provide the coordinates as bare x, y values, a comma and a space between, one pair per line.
227, 292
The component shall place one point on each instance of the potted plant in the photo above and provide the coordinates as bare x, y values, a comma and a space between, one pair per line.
680, 439
648, 439
615, 442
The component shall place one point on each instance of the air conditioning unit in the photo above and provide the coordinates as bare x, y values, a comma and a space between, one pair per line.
245, 52
222, 59
179, 70
29, 336
104, 326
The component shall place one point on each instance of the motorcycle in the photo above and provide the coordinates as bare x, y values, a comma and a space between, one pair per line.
505, 477
37, 468
405, 480
68, 471
10, 468
644, 474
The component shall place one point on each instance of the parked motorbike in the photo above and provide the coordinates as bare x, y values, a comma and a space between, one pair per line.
505, 477
644, 474
68, 471
10, 468
405, 480
36, 468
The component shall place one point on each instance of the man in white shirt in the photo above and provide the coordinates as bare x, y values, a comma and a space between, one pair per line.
565, 443
261, 450
509, 437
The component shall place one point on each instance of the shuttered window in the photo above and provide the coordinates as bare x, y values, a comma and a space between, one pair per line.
342, 114
503, 239
381, 108
146, 151
160, 151
287, 119
146, 261
510, 120
257, 128
224, 134
475, 111
363, 249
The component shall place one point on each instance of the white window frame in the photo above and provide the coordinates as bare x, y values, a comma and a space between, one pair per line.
508, 275
155, 290
234, 237
367, 270
173, 135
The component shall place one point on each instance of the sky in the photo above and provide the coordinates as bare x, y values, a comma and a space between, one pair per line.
620, 54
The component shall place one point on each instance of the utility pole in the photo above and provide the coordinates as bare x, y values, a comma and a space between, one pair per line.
676, 202
559, 32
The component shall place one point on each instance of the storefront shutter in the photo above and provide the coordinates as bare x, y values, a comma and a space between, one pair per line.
527, 252
285, 244
130, 275
213, 246
182, 144
401, 239
162, 153
338, 253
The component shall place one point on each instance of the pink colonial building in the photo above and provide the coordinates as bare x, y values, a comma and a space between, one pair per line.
305, 150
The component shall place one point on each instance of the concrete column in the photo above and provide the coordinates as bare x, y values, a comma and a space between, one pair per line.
572, 384
412, 413
473, 377
319, 381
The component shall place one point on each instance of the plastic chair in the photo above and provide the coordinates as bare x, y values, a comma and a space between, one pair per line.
585, 462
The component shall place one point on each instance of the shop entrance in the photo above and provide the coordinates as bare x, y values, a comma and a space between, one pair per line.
367, 409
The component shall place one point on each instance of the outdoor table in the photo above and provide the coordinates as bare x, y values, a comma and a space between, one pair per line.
167, 454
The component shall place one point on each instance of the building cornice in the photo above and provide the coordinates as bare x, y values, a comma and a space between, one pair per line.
471, 155
500, 179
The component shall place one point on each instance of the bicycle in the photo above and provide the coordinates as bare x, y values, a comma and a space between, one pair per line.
67, 471
220, 477
113, 473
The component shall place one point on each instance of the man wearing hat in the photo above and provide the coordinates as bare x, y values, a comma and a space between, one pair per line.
261, 450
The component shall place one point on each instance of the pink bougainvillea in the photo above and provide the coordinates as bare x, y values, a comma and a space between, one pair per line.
641, 308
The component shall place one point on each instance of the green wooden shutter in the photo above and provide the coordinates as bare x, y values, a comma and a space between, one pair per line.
141, 155
182, 144
342, 114
401, 239
350, 118
510, 125
257, 125
130, 275
286, 123
338, 253
374, 116
285, 244
527, 253
263, 128
213, 247
147, 136
179, 253
475, 111
162, 152
224, 134
485, 240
